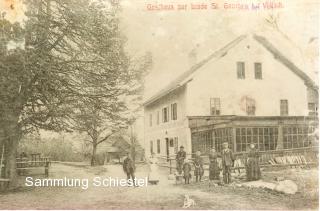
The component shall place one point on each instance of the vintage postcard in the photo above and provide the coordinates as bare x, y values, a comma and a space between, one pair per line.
159, 104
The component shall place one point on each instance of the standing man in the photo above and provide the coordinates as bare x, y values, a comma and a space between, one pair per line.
181, 155
128, 167
227, 162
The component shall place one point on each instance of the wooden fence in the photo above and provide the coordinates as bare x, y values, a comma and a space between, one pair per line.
270, 159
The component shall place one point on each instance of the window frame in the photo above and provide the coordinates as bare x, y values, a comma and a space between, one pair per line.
250, 107
151, 147
174, 111
165, 114
158, 146
215, 102
258, 70
241, 70
284, 108
158, 117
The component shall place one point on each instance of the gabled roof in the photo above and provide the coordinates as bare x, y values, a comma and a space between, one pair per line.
185, 77
181, 80
285, 61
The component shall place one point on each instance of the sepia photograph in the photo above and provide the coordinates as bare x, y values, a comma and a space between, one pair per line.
159, 104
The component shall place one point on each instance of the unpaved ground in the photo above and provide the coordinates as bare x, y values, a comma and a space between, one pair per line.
166, 195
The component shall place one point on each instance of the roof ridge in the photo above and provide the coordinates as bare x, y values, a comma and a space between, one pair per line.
284, 60
176, 82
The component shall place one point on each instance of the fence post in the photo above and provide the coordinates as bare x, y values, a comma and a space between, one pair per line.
46, 169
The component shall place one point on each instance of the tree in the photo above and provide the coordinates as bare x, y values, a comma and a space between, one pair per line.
73, 54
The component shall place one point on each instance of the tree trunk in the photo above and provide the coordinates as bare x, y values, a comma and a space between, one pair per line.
10, 161
12, 134
11, 145
94, 152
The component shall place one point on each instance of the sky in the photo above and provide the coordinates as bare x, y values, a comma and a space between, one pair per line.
171, 35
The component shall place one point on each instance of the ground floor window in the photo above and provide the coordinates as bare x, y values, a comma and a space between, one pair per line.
158, 146
202, 141
222, 135
151, 147
297, 136
265, 138
175, 144
205, 140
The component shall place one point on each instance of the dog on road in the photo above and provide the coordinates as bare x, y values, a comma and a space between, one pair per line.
188, 202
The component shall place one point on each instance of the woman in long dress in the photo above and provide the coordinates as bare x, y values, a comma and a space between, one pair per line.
198, 164
153, 174
214, 171
253, 167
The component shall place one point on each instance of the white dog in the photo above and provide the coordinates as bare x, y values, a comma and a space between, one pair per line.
188, 202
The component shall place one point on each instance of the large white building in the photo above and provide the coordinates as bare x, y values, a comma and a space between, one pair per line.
247, 91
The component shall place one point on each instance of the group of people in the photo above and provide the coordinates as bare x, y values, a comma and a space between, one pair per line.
185, 165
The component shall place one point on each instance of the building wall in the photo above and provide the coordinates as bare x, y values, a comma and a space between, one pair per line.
218, 78
171, 129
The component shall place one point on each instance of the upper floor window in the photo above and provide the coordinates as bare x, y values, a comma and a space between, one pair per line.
313, 109
174, 111
284, 108
165, 114
215, 106
257, 70
158, 117
150, 120
241, 70
250, 107
158, 146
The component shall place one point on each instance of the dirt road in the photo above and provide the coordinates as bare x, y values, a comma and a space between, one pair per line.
166, 195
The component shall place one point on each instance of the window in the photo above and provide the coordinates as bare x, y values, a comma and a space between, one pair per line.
174, 111
158, 117
215, 106
284, 110
250, 106
150, 120
158, 146
258, 70
205, 140
165, 114
202, 141
241, 70
222, 135
297, 136
175, 144
171, 144
265, 139
151, 147
313, 109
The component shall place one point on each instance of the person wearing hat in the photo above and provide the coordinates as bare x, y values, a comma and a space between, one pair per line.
214, 171
253, 168
227, 162
181, 155
129, 167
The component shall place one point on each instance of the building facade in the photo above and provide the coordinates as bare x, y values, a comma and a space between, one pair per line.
246, 92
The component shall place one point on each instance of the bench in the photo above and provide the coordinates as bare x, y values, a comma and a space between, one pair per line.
37, 162
4, 183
